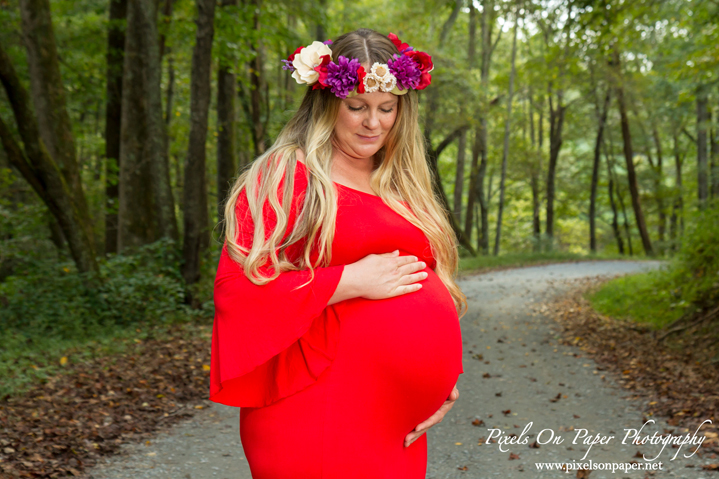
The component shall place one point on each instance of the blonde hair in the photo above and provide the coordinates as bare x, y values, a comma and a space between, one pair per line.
401, 173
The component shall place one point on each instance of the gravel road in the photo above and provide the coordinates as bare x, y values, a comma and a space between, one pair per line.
523, 370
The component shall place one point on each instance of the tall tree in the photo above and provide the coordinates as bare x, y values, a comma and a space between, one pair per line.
505, 153
714, 158
601, 113
535, 169
612, 204
197, 234
42, 172
676, 222
702, 128
479, 148
556, 114
226, 92
629, 154
113, 117
147, 208
258, 84
462, 142
48, 97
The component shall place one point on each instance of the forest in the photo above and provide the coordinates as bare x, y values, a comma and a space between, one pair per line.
555, 130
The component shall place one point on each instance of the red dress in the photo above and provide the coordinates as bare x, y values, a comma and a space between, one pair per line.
330, 392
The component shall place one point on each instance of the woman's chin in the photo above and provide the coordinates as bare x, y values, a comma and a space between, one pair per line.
365, 151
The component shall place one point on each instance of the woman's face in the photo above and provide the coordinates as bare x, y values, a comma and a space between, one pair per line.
363, 123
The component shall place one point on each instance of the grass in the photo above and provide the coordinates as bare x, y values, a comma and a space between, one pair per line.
23, 363
643, 298
483, 264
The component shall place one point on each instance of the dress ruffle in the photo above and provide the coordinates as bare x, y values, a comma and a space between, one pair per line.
270, 341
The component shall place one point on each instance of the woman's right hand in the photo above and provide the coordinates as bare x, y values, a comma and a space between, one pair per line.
380, 276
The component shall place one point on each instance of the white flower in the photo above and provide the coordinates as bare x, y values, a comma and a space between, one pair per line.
305, 62
381, 70
371, 83
389, 84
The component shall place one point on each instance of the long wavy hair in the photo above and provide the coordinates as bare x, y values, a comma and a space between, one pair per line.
401, 173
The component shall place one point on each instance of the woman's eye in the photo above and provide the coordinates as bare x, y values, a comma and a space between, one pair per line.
354, 109
388, 111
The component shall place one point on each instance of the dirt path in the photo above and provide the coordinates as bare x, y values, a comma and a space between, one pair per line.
523, 368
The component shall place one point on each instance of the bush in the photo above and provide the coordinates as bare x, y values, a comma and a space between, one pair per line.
51, 300
688, 284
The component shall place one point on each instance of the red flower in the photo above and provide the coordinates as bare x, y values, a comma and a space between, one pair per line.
360, 78
424, 62
322, 70
400, 46
292, 57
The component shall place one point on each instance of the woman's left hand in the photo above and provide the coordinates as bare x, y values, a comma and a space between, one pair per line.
436, 418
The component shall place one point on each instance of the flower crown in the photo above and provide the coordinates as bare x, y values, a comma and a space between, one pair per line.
313, 65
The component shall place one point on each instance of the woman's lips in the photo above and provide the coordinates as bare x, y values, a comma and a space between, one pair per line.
368, 138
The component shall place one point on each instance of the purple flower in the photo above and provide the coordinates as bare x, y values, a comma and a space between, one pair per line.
327, 42
288, 65
342, 76
405, 70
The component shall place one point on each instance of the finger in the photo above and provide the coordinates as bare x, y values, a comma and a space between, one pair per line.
409, 288
411, 437
413, 278
405, 260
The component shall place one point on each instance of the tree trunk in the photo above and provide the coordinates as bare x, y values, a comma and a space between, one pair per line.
459, 176
714, 159
166, 20
702, 165
48, 97
659, 187
42, 172
505, 153
677, 230
113, 118
257, 85
197, 235
535, 171
146, 212
620, 197
556, 123
629, 157
432, 161
479, 149
226, 156
612, 203
602, 117
462, 144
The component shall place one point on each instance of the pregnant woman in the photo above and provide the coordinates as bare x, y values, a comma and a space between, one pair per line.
336, 311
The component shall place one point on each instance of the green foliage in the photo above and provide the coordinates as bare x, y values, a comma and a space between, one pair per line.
688, 283
52, 300
696, 274
644, 298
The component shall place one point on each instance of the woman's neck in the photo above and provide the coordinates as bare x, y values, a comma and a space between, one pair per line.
351, 171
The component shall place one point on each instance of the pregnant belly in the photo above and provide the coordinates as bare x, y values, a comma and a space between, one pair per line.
398, 358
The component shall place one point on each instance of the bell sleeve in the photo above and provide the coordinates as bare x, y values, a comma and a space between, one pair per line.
270, 341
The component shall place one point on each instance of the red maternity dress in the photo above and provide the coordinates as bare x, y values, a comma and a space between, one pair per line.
330, 392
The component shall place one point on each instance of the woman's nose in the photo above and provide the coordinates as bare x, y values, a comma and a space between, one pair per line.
371, 120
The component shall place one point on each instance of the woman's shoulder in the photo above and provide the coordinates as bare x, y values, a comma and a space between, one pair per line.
300, 155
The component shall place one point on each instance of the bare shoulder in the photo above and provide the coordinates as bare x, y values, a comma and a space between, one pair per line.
300, 155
